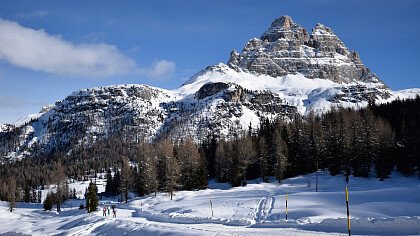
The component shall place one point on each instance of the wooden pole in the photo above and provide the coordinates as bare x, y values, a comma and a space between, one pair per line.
211, 206
348, 213
316, 188
286, 206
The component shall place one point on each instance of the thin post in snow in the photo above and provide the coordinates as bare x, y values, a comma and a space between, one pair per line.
348, 213
286, 206
211, 206
316, 185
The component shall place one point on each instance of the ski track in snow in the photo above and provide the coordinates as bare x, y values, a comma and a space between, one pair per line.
264, 208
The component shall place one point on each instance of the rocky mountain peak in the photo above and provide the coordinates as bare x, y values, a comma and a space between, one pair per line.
287, 48
284, 28
324, 39
283, 21
321, 29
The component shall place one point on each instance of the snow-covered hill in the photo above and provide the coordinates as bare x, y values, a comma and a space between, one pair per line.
284, 72
389, 207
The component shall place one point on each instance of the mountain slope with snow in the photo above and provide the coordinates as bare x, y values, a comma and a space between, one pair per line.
283, 73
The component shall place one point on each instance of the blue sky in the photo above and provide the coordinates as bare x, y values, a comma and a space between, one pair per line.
70, 45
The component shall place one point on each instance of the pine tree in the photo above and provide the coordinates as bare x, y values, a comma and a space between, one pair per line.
48, 203
92, 198
262, 158
202, 174
11, 194
223, 162
280, 152
384, 161
191, 165
109, 187
125, 178
27, 194
149, 172
172, 169
236, 174
116, 183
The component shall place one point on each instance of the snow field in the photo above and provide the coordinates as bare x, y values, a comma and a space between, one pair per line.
390, 207
387, 207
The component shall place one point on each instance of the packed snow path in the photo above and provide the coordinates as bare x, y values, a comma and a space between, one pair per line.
390, 207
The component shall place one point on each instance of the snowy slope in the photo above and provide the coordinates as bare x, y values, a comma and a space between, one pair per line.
25, 120
407, 93
390, 207
283, 73
217, 100
317, 95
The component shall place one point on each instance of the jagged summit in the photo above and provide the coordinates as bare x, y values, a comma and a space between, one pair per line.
287, 48
284, 21
284, 28
321, 29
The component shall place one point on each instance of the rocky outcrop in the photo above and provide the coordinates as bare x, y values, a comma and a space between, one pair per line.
286, 48
211, 89
221, 109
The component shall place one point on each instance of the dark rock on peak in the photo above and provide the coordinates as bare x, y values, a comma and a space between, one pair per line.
210, 89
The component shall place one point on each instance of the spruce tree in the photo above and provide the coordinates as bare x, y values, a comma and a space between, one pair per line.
109, 183
91, 198
48, 203
11, 194
116, 190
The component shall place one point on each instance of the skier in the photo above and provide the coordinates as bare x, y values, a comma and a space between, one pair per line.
109, 210
104, 211
114, 211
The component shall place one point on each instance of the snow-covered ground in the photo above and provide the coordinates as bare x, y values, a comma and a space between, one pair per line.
390, 207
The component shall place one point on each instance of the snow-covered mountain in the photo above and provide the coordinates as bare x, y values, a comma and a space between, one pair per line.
284, 72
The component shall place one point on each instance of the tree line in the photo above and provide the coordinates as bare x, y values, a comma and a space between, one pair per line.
369, 142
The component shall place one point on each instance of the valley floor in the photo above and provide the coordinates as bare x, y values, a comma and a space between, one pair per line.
390, 207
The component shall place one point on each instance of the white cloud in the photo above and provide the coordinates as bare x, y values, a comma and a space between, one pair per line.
40, 51
159, 69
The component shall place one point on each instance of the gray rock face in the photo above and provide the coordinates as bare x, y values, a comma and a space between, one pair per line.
218, 109
286, 48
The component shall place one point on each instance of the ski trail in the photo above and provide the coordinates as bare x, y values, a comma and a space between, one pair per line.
259, 212
267, 207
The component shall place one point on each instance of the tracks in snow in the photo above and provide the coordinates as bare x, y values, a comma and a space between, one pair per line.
264, 208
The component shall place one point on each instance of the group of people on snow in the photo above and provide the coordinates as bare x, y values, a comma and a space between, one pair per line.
107, 209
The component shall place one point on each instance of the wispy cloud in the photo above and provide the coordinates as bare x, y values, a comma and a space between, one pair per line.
40, 51
159, 69
37, 14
